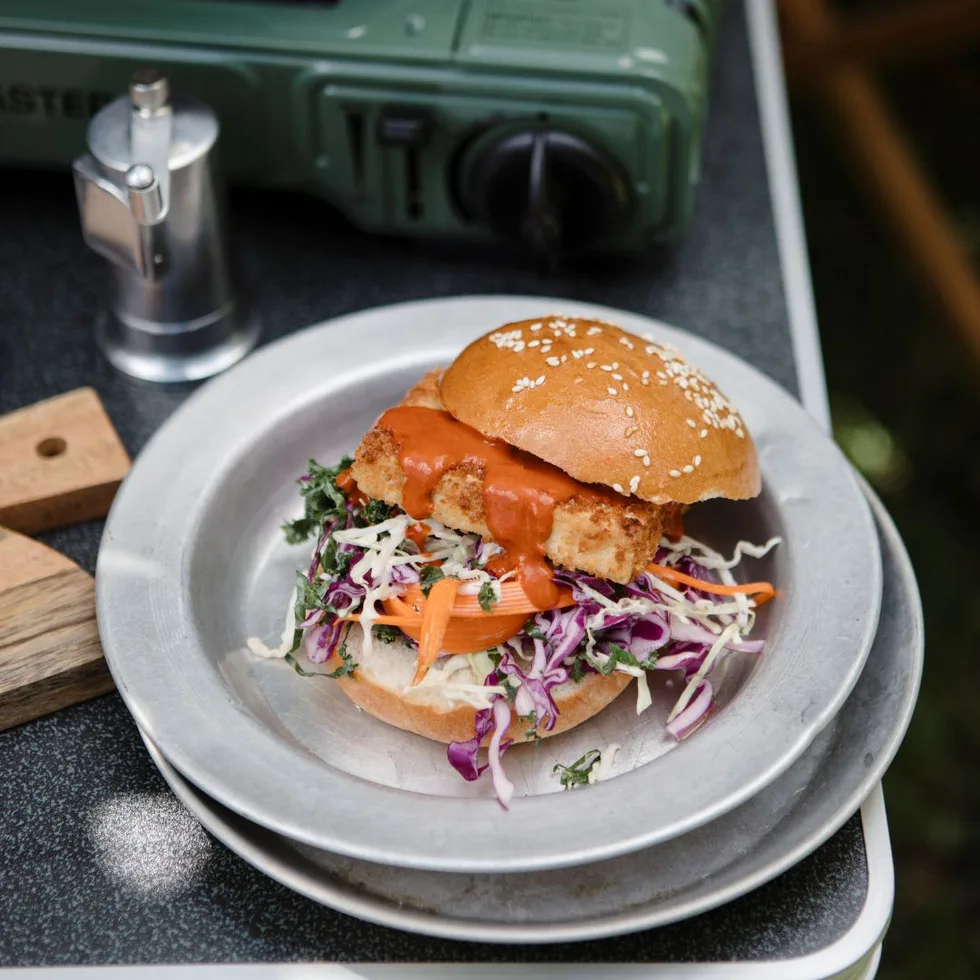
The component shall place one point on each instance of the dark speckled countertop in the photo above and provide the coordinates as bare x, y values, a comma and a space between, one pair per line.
98, 862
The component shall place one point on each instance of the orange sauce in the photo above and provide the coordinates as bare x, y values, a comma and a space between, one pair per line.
520, 491
347, 485
673, 521
417, 533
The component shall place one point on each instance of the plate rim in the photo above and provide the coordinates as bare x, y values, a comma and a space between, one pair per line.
373, 909
194, 764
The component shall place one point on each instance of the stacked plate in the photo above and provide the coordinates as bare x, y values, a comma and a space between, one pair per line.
370, 820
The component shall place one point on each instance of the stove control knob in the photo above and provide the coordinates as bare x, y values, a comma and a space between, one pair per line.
550, 191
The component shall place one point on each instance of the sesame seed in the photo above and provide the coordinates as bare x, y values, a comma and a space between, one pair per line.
626, 387
634, 484
605, 367
553, 361
692, 423
646, 460
592, 331
618, 377
615, 364
626, 342
590, 365
664, 382
578, 381
675, 472
688, 468
645, 381
533, 343
740, 433
540, 380
704, 433
629, 411
618, 488
639, 452
612, 391
589, 350
535, 327
660, 374
697, 460
646, 374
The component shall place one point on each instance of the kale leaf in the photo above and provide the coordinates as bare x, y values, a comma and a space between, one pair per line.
577, 774
347, 668
428, 576
376, 511
322, 500
617, 655
487, 596
531, 720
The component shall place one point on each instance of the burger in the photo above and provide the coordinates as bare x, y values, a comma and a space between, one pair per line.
505, 552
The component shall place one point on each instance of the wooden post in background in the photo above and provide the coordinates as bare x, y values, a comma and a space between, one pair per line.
888, 168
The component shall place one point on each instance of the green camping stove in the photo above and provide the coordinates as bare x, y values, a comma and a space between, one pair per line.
562, 125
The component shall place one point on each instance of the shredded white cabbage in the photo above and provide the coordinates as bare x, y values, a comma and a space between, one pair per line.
710, 558
459, 680
286, 640
643, 699
601, 769
728, 634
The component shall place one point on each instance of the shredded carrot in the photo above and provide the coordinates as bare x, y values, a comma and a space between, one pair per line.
435, 618
470, 628
764, 591
513, 601
463, 634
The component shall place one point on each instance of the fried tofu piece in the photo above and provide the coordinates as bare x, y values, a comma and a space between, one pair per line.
426, 393
608, 537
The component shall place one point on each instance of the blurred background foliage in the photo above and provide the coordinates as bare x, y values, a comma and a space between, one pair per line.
905, 393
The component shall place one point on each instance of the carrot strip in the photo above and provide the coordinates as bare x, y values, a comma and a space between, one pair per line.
513, 601
763, 590
435, 618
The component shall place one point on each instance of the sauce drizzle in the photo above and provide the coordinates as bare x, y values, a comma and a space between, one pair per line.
520, 491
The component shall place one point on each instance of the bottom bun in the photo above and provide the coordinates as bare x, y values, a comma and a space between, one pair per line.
383, 675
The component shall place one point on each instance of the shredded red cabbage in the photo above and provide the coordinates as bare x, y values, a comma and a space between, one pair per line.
541, 657
695, 712
609, 627
493, 721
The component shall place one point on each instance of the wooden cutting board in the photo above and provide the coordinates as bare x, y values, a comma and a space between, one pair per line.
60, 462
50, 655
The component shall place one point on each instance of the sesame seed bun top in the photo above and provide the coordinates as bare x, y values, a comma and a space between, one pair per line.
605, 406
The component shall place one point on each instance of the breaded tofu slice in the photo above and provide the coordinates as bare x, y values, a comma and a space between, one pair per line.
609, 538
426, 393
